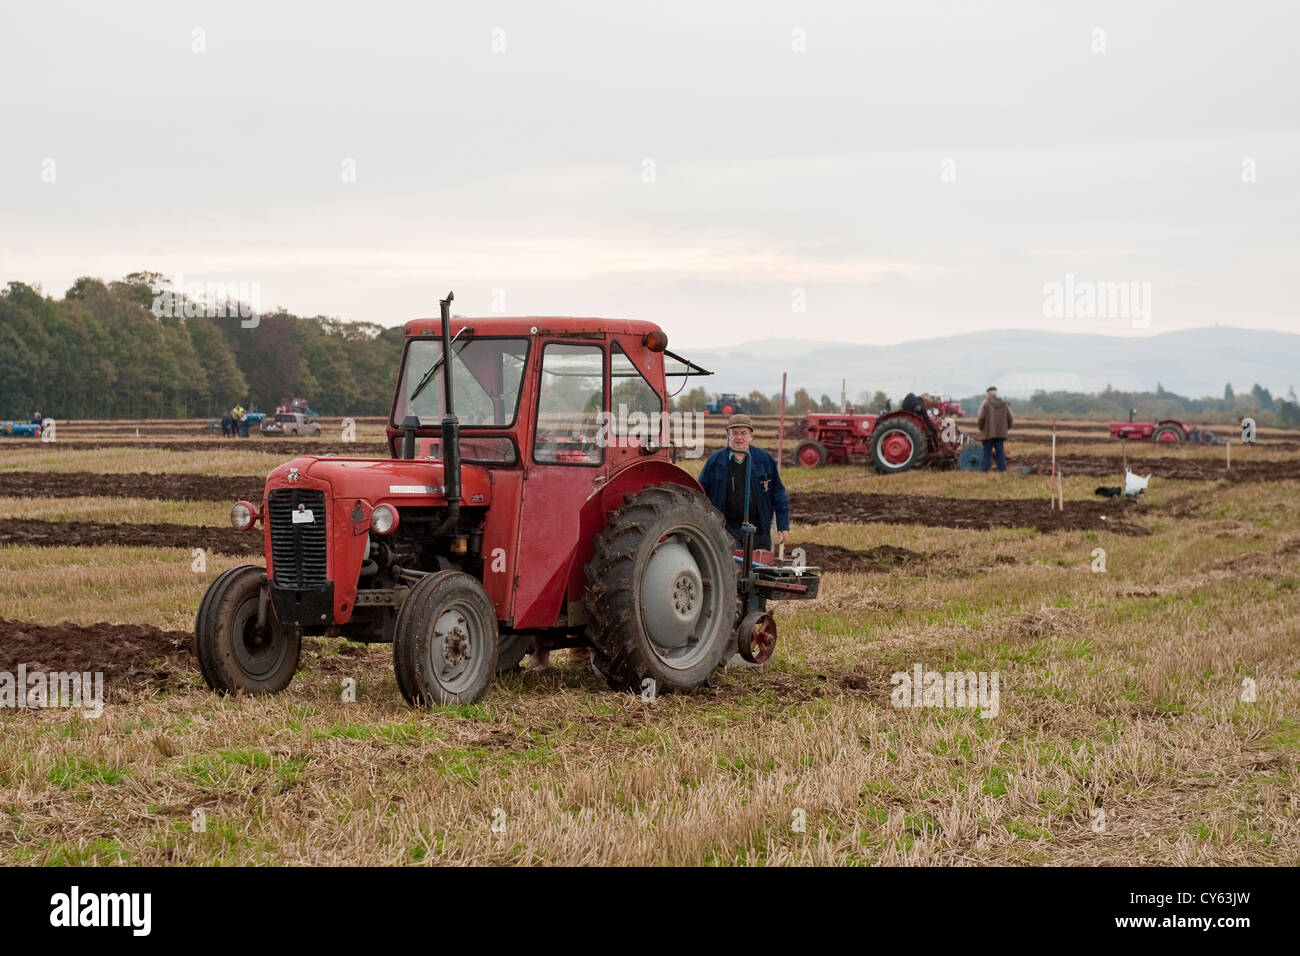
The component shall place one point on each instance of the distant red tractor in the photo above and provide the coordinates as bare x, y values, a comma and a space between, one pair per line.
1166, 431
516, 512
917, 436
831, 439
920, 433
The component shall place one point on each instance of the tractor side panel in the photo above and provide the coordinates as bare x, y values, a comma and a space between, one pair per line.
549, 540
500, 541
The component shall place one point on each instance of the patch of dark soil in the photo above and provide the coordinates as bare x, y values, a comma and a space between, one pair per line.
817, 507
172, 487
131, 654
1189, 469
830, 557
88, 533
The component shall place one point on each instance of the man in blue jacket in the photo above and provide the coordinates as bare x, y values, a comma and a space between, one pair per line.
723, 480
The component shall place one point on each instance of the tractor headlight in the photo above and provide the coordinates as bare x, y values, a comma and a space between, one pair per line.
383, 519
242, 515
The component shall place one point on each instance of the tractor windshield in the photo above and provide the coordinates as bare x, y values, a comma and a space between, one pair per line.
486, 375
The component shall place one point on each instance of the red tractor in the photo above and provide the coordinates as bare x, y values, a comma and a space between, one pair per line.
916, 435
515, 513
1167, 431
831, 439
921, 432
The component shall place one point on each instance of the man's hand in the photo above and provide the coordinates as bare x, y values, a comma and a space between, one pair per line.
782, 537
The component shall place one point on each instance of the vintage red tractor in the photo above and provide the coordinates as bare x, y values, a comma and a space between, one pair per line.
831, 439
916, 435
922, 432
515, 512
1167, 431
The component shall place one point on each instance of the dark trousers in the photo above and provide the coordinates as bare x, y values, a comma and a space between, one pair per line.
994, 446
762, 538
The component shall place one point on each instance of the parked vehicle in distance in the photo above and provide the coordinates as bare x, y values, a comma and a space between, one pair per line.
290, 423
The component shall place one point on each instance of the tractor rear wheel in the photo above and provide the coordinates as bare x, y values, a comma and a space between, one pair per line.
445, 642
234, 654
897, 446
1167, 433
810, 454
662, 591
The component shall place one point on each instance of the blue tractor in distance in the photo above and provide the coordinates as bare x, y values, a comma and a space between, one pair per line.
20, 430
726, 404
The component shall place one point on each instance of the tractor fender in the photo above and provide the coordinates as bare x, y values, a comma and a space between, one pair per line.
609, 497
1176, 424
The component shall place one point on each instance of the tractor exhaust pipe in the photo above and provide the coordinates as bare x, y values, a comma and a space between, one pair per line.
450, 426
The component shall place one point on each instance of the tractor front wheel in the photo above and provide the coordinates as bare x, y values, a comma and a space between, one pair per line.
445, 641
662, 591
236, 654
810, 454
897, 446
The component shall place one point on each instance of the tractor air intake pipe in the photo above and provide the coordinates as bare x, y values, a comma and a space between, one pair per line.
410, 424
450, 427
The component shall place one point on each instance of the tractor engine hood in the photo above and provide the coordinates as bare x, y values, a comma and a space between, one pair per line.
400, 481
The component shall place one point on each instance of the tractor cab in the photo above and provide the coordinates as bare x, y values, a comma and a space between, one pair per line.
530, 500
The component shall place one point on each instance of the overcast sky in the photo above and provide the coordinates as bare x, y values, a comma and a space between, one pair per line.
899, 170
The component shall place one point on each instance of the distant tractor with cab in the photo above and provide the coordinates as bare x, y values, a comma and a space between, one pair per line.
727, 403
519, 509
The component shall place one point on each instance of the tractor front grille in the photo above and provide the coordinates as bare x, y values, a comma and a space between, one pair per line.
297, 548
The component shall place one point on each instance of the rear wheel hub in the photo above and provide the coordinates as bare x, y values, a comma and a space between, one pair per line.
896, 448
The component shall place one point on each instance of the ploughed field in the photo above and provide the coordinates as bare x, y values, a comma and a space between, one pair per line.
1146, 654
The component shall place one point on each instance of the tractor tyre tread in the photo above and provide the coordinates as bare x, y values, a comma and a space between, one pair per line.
416, 619
919, 445
618, 650
822, 453
210, 645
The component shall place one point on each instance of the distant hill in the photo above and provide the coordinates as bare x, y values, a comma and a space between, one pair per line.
1192, 362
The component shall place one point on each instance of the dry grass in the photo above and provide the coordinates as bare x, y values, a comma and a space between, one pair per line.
129, 510
155, 586
1120, 694
117, 461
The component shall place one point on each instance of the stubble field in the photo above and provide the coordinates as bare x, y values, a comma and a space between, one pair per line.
1148, 713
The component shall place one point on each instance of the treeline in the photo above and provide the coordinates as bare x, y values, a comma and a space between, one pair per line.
800, 402
102, 352
1112, 405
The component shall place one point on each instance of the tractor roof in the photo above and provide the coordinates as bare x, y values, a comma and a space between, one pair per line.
526, 324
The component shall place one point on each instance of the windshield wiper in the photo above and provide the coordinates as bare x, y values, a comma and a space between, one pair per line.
433, 369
